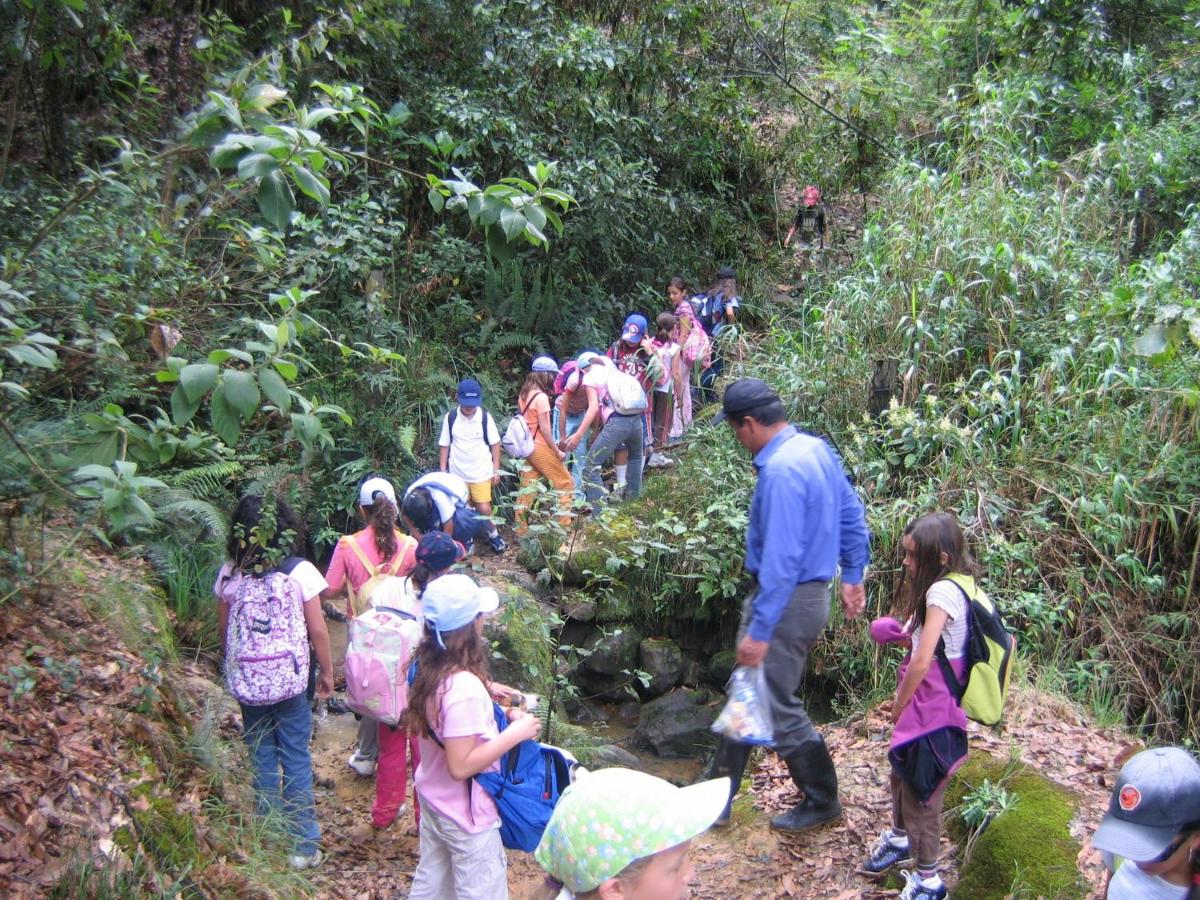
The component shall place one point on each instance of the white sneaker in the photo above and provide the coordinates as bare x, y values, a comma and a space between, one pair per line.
364, 767
659, 461
300, 861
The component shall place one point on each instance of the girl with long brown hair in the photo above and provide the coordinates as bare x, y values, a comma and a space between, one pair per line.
450, 710
929, 736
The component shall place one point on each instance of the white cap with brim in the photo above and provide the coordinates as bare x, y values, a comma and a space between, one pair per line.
1156, 796
372, 486
609, 818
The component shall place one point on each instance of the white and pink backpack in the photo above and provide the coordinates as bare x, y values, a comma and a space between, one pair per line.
382, 641
266, 658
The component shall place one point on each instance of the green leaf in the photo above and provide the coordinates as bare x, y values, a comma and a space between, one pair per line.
1153, 341
256, 165
276, 200
512, 222
219, 356
310, 184
225, 421
183, 408
261, 97
197, 380
436, 200
275, 389
288, 370
306, 427
227, 106
240, 390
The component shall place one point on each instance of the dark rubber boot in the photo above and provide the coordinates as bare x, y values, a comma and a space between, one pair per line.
811, 767
728, 762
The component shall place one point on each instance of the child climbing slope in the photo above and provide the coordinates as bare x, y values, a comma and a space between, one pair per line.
929, 737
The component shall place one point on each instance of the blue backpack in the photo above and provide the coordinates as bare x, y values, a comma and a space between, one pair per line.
468, 524
532, 777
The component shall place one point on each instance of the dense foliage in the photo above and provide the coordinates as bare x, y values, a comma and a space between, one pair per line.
260, 244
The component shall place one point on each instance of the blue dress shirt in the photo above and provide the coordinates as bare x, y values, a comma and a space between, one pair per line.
805, 520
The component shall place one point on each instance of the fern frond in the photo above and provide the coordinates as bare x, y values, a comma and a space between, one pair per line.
200, 512
209, 481
407, 436
515, 340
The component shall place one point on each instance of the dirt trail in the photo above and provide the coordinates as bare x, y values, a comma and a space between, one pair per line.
748, 860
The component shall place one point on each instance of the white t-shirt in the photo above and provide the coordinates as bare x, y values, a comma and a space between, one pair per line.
306, 576
470, 454
441, 501
945, 595
1131, 883
666, 353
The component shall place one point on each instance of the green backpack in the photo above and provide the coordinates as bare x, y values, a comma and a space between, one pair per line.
989, 655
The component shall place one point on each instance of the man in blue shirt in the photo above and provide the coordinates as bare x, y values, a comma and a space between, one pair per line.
805, 522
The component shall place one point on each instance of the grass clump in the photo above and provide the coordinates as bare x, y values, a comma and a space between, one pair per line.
1025, 847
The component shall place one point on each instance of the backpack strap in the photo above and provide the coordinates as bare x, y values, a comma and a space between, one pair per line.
487, 418
372, 569
451, 418
957, 688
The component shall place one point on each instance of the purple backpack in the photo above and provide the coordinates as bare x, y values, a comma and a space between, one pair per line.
266, 658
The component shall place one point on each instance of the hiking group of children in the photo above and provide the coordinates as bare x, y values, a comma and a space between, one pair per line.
613, 833
628, 404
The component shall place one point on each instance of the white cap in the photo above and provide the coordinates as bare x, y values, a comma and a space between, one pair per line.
372, 486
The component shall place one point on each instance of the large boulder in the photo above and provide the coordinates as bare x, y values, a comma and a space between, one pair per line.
720, 667
606, 671
677, 724
662, 660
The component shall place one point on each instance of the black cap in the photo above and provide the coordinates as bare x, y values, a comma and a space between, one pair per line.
744, 395
727, 272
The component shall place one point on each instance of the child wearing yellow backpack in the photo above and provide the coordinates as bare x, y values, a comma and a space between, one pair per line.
361, 563
929, 737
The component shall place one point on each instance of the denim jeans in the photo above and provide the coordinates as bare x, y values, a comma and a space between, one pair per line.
618, 430
278, 736
579, 455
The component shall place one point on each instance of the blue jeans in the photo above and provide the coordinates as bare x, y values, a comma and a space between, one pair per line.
563, 430
617, 431
278, 736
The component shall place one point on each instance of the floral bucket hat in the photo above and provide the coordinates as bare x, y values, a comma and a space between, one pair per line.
611, 817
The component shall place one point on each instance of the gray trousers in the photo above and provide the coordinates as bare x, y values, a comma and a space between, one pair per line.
454, 865
617, 430
368, 738
800, 625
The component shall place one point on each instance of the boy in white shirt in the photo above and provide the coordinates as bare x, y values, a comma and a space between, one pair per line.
469, 447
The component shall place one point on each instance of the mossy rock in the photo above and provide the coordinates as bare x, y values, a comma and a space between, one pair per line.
1026, 850
521, 634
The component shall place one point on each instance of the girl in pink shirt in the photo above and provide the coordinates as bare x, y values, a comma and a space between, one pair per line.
450, 709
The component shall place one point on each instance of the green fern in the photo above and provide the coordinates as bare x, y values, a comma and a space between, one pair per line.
183, 515
515, 340
210, 481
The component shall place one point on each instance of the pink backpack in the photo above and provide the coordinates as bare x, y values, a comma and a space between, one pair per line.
382, 641
266, 660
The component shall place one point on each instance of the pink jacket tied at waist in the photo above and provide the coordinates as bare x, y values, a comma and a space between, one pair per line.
933, 706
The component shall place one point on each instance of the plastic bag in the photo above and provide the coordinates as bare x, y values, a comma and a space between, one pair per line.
746, 717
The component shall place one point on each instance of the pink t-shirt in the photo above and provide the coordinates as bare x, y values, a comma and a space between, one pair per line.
346, 566
466, 710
